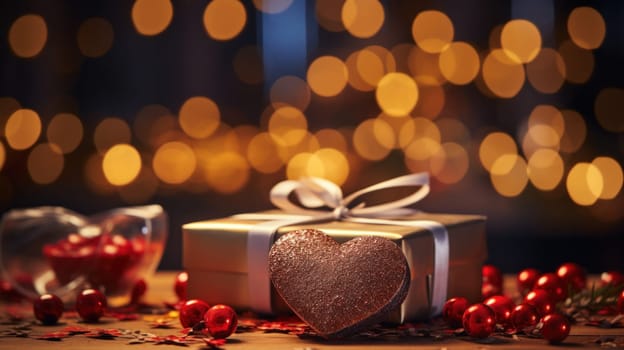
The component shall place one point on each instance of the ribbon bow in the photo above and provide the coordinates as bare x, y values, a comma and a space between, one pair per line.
320, 200
314, 193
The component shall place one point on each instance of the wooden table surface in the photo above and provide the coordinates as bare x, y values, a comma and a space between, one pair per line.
161, 289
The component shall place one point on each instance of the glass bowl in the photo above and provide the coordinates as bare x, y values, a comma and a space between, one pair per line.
55, 250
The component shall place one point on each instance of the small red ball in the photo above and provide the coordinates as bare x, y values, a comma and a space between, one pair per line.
192, 312
48, 308
524, 317
492, 275
502, 307
541, 300
489, 290
138, 291
220, 321
181, 285
91, 305
552, 284
555, 328
479, 321
526, 280
573, 276
612, 278
620, 303
453, 311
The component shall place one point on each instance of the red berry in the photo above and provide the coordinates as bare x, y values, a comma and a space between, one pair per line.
612, 278
492, 275
138, 290
220, 321
192, 312
90, 305
524, 317
453, 311
489, 290
620, 303
555, 328
502, 307
479, 321
48, 308
552, 284
541, 300
180, 286
573, 276
526, 280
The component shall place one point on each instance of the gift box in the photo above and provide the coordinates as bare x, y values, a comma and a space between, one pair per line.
226, 261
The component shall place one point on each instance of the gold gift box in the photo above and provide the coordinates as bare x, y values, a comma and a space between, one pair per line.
215, 257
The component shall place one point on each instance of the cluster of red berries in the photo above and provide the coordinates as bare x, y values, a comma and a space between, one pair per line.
537, 310
219, 321
90, 305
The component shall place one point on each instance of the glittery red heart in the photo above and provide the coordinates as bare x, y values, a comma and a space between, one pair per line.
338, 289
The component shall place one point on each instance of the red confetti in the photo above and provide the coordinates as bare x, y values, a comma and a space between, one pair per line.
214, 343
103, 334
54, 336
73, 330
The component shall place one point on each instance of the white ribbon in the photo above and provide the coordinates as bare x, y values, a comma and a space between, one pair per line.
321, 200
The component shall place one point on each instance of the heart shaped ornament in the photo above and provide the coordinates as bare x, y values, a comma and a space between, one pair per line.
338, 289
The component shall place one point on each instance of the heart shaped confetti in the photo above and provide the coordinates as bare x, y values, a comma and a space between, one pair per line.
338, 289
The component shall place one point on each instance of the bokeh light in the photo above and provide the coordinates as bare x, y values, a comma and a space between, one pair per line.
227, 172
224, 19
579, 62
362, 18
550, 116
109, 132
459, 63
8, 105
45, 163
397, 94
288, 126
325, 163
65, 130
509, 175
327, 76
608, 109
503, 76
521, 40
575, 131
199, 117
425, 67
431, 101
28, 35
584, 184
22, 129
494, 146
95, 37
2, 155
545, 169
142, 189
419, 138
121, 164
262, 154
373, 139
612, 176
432, 31
151, 17
332, 138
152, 121
174, 162
292, 91
450, 164
586, 27
547, 71
329, 14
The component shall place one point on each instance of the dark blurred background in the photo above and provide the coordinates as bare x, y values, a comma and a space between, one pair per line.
513, 107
